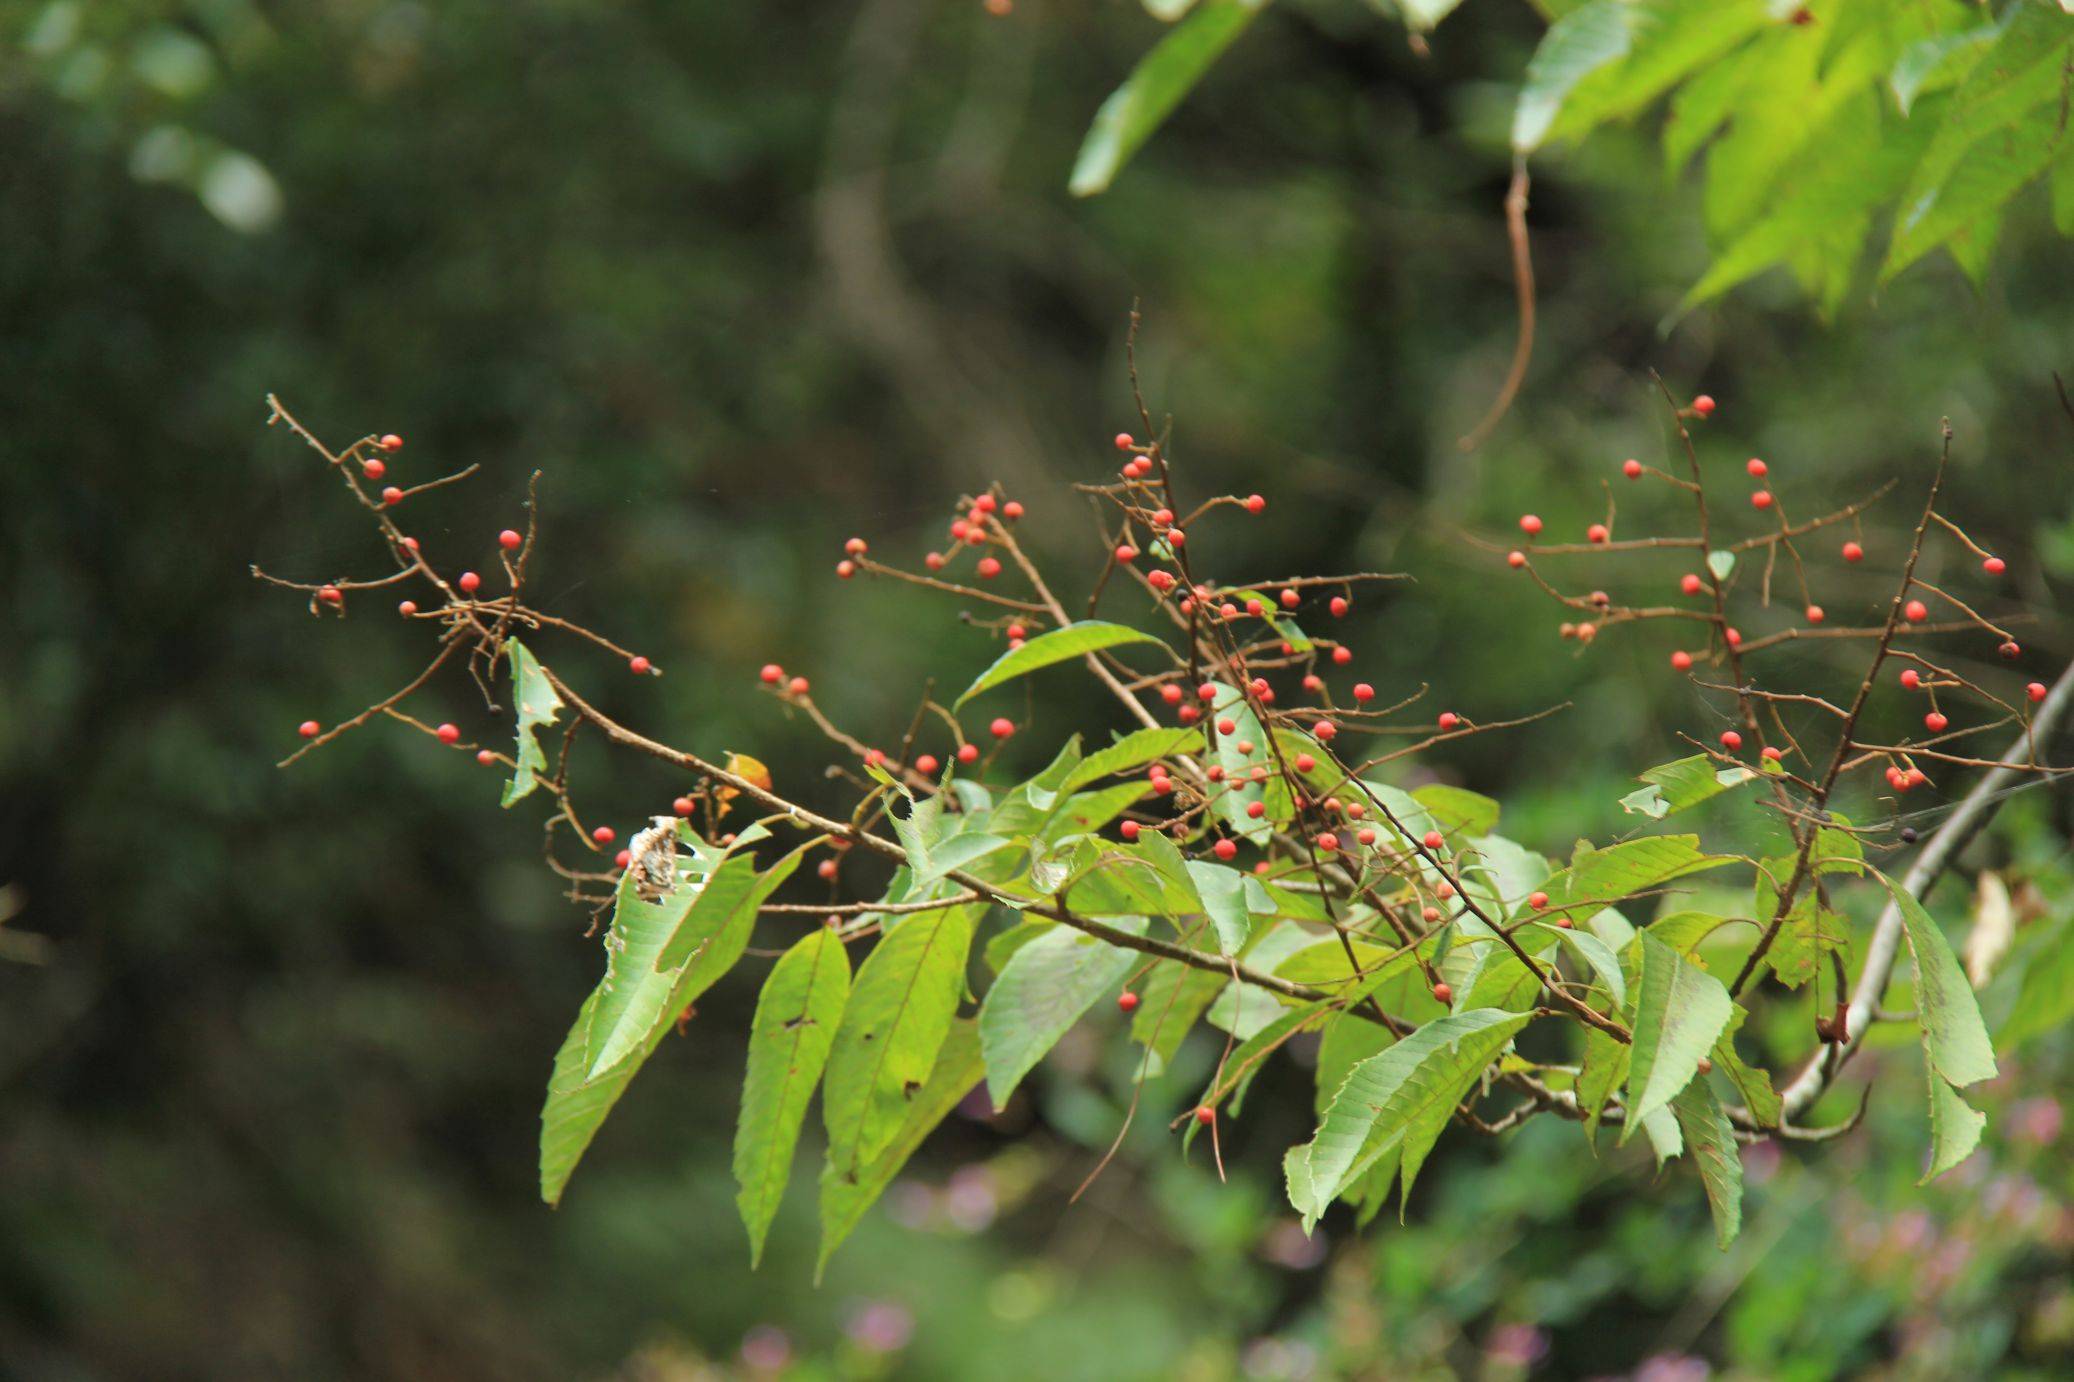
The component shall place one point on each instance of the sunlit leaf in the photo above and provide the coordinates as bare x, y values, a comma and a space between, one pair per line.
1046, 649
538, 705
1159, 83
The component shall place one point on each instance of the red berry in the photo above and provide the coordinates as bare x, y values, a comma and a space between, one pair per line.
1206, 1115
1911, 678
1853, 552
1529, 524
485, 757
1188, 714
1935, 722
1324, 730
1313, 682
1255, 810
2010, 651
927, 765
1254, 503
1916, 777
988, 568
1703, 405
509, 540
1304, 762
448, 734
1162, 581
1536, 900
1123, 441
2036, 690
1227, 725
845, 569
1443, 994
1207, 691
1002, 727
1597, 532
874, 758
374, 468
1225, 849
623, 858
1681, 660
1758, 469
1731, 740
1448, 719
1126, 1001
469, 582
604, 834
1434, 839
1328, 842
1363, 692
331, 595
968, 753
410, 544
1171, 694
856, 546
407, 607
1011, 510
1916, 611
827, 868
1129, 830
1690, 583
1126, 553
1365, 835
1290, 599
1631, 469
390, 442
1761, 500
959, 531
986, 503
683, 806
1815, 614
1515, 559
639, 665
392, 495
1732, 636
1343, 655
1770, 754
797, 686
1340, 605
772, 673
309, 729
1994, 566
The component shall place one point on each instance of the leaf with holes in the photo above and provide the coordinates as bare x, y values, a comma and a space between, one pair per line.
538, 705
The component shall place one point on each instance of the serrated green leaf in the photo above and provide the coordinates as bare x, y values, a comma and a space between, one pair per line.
1712, 1139
635, 992
845, 1197
1938, 61
1605, 1069
1597, 877
1754, 1085
1684, 782
1159, 83
1129, 753
900, 1006
795, 1023
1461, 812
1223, 893
1953, 1034
1680, 1012
1058, 645
538, 705
1046, 987
1955, 1126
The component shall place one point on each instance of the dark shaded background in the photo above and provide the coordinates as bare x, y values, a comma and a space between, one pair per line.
743, 280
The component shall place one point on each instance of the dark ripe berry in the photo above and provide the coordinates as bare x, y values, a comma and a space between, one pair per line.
390, 442
1304, 762
1908, 834
639, 666
1731, 740
845, 569
1126, 553
1530, 524
1339, 606
1911, 678
1691, 584
2036, 690
1681, 661
510, 540
1443, 994
856, 546
1994, 566
1758, 469
1815, 614
407, 607
1254, 503
968, 753
2010, 651
604, 834
1126, 1001
1324, 730
448, 734
1290, 599
1363, 692
772, 674
1597, 532
1762, 499
1328, 842
1935, 722
1703, 405
1770, 754
1434, 839
1206, 1115
927, 765
392, 495
1171, 694
1853, 552
1012, 510
1631, 469
1227, 725
1449, 719
469, 583
309, 729
1123, 441
373, 468
827, 868
1225, 849
1129, 830
623, 858
988, 568
683, 806
1002, 727
1536, 900
485, 757
797, 686
1515, 559
1915, 611
1342, 655
1255, 810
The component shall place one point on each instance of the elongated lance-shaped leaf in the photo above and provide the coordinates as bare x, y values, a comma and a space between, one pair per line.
1059, 645
1575, 46
1955, 1126
1129, 753
634, 993
1240, 791
538, 704
1753, 1083
1400, 1100
1680, 1012
1596, 877
900, 1007
1954, 1037
1156, 85
845, 1197
1684, 782
1603, 962
1712, 1140
1046, 986
795, 1023
1171, 1001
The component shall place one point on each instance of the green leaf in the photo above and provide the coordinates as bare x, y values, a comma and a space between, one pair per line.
1461, 812
1604, 963
1159, 83
845, 1197
1685, 782
1754, 1085
1129, 753
1597, 877
1605, 1070
1953, 1034
1575, 46
900, 1007
1240, 790
795, 1022
1171, 1001
1058, 645
1937, 61
1399, 1100
1223, 892
1712, 1139
1955, 1126
538, 705
1995, 169
1721, 562
1046, 987
1680, 1012
635, 992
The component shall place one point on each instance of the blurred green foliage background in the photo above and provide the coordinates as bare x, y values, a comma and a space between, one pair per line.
743, 280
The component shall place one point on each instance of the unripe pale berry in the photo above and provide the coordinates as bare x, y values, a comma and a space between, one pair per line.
1935, 722
1631, 469
1002, 727
1762, 499
392, 495
1225, 849
845, 569
448, 734
1916, 611
772, 673
1530, 524
1731, 740
1690, 583
1449, 719
1853, 552
407, 607
604, 834
968, 753
469, 582
309, 729
1681, 661
391, 442
1994, 566
1597, 532
797, 686
2036, 690
1126, 1001
509, 540
639, 666
927, 765
1757, 468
